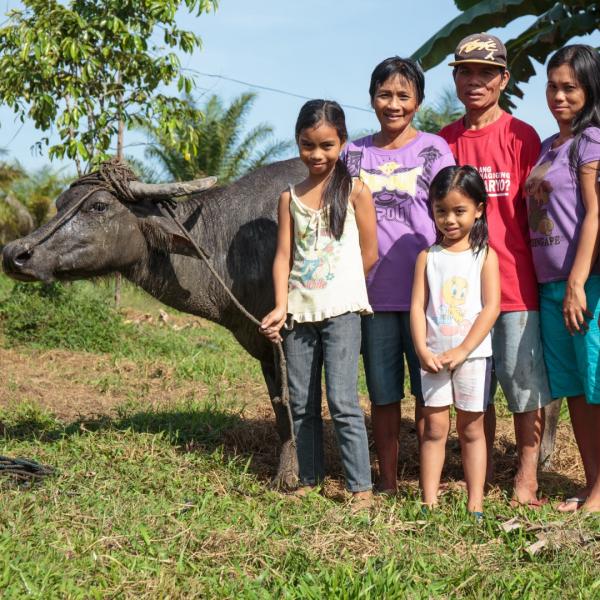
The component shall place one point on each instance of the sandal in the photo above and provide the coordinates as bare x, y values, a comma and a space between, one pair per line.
577, 501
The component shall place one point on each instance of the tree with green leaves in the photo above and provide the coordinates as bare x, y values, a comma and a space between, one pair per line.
222, 149
556, 23
91, 68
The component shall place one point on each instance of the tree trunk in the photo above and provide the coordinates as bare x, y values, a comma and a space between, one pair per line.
549, 439
118, 278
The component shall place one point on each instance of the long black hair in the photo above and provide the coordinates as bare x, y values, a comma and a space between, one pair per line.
584, 61
468, 182
339, 186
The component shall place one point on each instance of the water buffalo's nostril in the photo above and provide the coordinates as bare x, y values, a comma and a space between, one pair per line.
23, 257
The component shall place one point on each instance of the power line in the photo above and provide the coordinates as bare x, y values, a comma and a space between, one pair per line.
269, 89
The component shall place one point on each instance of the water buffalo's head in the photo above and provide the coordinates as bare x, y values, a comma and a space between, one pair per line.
104, 235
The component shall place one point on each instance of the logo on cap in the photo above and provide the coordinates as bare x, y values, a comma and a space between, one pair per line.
488, 46
480, 48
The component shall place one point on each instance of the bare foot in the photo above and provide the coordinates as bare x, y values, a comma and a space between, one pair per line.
534, 503
361, 501
525, 492
591, 506
575, 502
303, 491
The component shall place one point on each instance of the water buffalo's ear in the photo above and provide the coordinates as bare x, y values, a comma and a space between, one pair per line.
163, 235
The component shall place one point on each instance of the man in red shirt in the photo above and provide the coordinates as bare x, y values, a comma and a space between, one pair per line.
504, 150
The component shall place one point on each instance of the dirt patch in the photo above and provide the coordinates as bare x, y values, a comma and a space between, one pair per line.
75, 386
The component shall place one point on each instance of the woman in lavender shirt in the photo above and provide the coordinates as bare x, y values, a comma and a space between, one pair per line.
563, 204
397, 163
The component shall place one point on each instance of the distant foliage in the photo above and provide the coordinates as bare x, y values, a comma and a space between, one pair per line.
37, 191
27, 199
221, 147
432, 117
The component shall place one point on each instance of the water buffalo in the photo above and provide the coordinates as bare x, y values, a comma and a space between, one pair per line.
236, 225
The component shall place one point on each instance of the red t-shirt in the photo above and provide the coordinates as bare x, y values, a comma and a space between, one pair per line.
504, 153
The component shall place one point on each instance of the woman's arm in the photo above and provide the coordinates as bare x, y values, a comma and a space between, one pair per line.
273, 322
490, 298
574, 304
366, 221
418, 324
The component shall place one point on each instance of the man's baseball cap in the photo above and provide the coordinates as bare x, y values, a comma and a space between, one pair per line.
481, 48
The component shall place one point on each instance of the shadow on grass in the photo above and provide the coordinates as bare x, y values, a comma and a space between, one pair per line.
207, 427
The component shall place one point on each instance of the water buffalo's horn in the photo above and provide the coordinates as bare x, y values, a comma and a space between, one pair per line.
164, 191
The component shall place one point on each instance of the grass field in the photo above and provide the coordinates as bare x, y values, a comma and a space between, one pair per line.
163, 445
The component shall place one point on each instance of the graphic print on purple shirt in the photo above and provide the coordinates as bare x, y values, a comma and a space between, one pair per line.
399, 181
555, 207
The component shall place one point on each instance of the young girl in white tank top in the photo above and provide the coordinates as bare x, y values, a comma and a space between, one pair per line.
455, 302
326, 245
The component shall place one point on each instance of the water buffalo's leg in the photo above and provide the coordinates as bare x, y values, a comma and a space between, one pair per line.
552, 414
287, 472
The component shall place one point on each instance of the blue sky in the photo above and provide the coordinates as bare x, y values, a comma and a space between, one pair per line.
314, 48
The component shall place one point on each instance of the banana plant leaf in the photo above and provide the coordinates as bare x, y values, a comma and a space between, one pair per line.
557, 23
465, 4
482, 16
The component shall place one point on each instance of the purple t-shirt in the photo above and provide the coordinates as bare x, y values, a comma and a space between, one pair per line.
399, 181
555, 208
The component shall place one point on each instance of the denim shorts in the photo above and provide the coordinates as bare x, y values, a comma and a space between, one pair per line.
518, 361
573, 361
386, 340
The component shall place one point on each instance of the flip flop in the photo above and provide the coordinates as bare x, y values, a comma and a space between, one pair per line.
576, 500
535, 503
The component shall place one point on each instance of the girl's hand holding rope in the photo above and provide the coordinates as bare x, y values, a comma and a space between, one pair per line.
272, 324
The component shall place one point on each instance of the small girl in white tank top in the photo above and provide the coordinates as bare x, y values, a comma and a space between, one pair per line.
455, 302
326, 244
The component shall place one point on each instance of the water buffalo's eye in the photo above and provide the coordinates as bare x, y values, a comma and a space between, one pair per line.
99, 207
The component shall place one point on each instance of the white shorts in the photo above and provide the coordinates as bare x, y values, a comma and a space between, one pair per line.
468, 386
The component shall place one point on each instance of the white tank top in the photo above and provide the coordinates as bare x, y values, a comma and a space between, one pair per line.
454, 280
327, 277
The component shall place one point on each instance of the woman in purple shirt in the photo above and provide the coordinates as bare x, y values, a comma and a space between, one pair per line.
564, 204
397, 163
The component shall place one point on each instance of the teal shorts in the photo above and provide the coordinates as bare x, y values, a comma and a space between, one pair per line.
572, 361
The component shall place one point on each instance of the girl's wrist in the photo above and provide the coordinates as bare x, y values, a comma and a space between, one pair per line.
421, 352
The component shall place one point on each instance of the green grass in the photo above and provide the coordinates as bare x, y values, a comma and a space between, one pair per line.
131, 513
159, 503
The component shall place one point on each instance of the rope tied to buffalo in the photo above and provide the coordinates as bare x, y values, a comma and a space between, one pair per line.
24, 469
114, 176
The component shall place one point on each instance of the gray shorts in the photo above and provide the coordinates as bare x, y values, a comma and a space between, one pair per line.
519, 362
